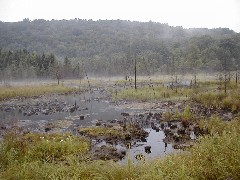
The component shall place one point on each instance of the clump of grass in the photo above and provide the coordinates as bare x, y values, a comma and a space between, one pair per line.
121, 133
209, 98
185, 116
29, 91
149, 93
216, 126
17, 148
230, 101
169, 116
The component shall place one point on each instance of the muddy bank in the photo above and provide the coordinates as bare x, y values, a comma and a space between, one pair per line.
140, 129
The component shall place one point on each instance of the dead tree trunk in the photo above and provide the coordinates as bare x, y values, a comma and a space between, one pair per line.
236, 80
135, 73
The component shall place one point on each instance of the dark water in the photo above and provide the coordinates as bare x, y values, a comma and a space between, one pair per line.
158, 147
94, 106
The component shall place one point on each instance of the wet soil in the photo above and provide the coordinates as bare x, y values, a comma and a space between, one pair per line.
144, 131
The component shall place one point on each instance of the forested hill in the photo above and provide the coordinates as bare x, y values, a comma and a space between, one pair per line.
82, 38
109, 46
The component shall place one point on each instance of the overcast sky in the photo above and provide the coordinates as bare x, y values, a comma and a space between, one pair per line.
186, 13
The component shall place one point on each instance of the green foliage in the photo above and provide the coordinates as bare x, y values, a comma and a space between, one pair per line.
21, 64
218, 155
108, 47
168, 116
186, 116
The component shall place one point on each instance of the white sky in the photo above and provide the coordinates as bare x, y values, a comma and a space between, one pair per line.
186, 13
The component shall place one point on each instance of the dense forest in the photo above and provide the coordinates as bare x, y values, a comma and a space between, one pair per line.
22, 64
54, 48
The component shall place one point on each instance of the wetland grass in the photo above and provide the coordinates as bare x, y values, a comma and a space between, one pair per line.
65, 156
56, 147
117, 132
214, 156
150, 94
29, 91
218, 99
207, 93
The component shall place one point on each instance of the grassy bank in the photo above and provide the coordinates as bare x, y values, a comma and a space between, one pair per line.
31, 156
150, 94
218, 99
207, 93
29, 91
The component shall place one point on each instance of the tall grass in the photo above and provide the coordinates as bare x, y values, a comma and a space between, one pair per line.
149, 93
20, 149
230, 101
29, 91
215, 156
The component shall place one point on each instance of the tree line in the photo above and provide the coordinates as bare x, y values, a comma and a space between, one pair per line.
109, 47
21, 64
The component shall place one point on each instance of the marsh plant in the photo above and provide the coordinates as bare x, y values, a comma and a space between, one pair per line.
229, 101
150, 94
63, 156
29, 91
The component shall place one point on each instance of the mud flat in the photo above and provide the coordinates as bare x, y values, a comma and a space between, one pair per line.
139, 129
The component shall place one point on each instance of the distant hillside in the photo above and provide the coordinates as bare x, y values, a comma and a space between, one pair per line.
82, 38
109, 46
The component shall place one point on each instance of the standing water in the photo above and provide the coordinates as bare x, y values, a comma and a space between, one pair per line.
81, 110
